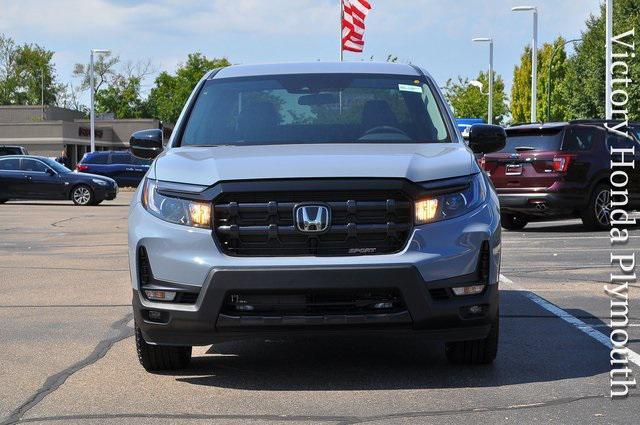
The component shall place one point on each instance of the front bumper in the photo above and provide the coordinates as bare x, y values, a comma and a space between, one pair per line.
439, 255
433, 316
106, 192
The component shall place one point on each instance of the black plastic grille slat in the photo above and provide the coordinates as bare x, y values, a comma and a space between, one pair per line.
314, 302
484, 264
143, 266
187, 298
439, 294
352, 228
262, 224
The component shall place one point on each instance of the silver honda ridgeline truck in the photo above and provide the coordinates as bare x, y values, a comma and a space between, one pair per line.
314, 198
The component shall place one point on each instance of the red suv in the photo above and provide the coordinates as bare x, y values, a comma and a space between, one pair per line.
559, 170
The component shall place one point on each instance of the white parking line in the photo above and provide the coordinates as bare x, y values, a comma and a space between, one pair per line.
558, 238
537, 250
579, 324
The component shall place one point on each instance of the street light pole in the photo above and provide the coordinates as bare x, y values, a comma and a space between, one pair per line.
534, 59
42, 91
553, 54
92, 117
609, 54
490, 107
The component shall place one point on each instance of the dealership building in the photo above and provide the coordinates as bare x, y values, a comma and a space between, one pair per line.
50, 130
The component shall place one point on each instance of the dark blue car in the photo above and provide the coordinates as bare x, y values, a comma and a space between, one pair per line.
124, 168
36, 177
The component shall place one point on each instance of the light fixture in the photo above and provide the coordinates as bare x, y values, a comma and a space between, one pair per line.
426, 210
534, 58
477, 84
490, 77
468, 290
156, 295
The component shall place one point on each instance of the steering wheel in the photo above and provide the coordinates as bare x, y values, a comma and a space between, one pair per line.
385, 129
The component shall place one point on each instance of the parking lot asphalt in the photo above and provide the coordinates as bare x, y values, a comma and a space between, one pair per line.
68, 355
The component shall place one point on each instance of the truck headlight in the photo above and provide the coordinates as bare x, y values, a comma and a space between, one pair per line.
451, 205
175, 210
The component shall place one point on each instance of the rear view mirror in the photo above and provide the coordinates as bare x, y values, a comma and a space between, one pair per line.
318, 99
146, 144
485, 138
50, 172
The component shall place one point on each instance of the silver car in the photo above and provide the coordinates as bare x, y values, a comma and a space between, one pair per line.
314, 198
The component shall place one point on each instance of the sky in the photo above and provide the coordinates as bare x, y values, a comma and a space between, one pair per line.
433, 33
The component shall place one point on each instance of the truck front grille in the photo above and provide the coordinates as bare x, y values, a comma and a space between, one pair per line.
263, 224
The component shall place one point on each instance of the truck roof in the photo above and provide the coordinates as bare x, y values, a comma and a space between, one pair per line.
317, 68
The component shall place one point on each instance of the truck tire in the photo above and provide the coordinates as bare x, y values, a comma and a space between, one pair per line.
480, 351
596, 216
161, 357
513, 221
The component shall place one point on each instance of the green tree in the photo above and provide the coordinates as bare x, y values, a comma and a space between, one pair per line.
36, 76
104, 72
122, 98
467, 100
521, 89
69, 97
8, 77
117, 86
584, 86
559, 68
171, 92
26, 74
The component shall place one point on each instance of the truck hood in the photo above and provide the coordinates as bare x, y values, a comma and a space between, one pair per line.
415, 162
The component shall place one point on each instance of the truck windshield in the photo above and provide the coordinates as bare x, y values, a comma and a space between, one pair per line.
315, 108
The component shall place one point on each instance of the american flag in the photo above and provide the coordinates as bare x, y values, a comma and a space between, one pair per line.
353, 14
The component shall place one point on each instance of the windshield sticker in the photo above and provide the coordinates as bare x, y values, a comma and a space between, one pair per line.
408, 87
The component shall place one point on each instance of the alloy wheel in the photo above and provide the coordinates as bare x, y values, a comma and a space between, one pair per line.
603, 207
81, 196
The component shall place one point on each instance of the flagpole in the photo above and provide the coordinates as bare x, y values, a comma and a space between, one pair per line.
340, 26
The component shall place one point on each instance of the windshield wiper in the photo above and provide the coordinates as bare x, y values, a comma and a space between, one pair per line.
525, 148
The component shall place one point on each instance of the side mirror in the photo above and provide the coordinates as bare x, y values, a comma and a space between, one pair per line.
50, 172
485, 138
146, 144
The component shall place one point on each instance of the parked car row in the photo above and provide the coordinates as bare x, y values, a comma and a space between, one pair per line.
96, 178
545, 172
124, 168
12, 150
36, 177
558, 170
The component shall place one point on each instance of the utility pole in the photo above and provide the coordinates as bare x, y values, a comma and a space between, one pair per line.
92, 118
42, 91
534, 59
490, 108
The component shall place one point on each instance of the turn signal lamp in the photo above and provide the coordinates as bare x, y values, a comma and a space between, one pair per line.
160, 295
468, 290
